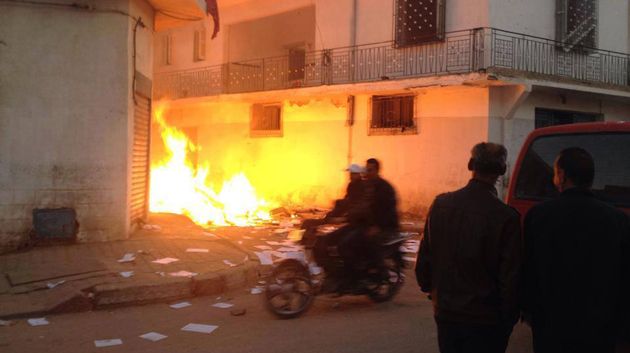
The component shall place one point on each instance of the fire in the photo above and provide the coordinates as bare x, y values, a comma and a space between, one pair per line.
177, 187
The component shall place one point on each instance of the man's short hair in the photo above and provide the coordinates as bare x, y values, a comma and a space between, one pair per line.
578, 166
488, 159
375, 162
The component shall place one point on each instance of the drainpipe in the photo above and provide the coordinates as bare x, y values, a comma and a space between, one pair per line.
353, 43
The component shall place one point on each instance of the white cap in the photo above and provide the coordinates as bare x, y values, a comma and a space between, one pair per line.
355, 168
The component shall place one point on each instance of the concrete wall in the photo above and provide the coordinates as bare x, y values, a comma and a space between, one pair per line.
305, 165
64, 115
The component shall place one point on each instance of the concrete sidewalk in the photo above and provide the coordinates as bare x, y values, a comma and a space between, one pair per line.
88, 276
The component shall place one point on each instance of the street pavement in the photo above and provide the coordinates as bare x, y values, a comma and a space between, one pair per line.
346, 324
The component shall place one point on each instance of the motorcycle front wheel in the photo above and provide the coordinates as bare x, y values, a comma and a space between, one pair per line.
289, 292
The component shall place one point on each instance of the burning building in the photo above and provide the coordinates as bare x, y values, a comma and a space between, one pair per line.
270, 109
290, 92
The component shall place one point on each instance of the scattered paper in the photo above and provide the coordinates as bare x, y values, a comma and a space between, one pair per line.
289, 249
200, 328
52, 285
165, 261
196, 250
256, 290
180, 305
153, 336
129, 257
222, 305
409, 259
6, 323
229, 263
126, 274
108, 343
314, 269
264, 257
263, 247
41, 321
183, 274
161, 273
297, 255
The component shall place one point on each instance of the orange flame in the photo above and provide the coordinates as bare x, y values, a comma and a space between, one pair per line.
177, 187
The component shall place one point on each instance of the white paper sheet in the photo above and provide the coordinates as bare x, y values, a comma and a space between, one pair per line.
165, 261
200, 328
128, 257
263, 247
229, 263
126, 274
180, 305
108, 342
256, 290
264, 257
222, 305
52, 285
197, 250
153, 336
183, 274
40, 321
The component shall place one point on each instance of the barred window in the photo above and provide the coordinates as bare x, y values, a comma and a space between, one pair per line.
577, 23
393, 115
418, 21
266, 120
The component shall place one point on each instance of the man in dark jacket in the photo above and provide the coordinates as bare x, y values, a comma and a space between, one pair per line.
576, 264
469, 260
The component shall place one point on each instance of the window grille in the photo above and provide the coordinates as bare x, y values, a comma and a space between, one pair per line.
167, 49
418, 21
266, 120
577, 24
393, 115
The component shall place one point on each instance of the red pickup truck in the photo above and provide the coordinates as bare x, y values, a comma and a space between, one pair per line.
607, 142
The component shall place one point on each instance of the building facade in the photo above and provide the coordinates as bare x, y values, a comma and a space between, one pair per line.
75, 105
291, 91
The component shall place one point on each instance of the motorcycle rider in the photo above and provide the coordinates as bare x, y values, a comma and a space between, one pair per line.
377, 220
354, 195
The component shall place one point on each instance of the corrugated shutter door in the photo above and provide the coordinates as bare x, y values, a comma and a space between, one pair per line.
140, 159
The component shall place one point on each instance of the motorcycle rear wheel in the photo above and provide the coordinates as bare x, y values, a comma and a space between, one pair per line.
289, 291
386, 287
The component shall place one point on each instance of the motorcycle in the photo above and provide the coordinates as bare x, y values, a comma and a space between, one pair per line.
294, 283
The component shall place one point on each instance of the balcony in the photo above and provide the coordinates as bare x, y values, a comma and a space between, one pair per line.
482, 49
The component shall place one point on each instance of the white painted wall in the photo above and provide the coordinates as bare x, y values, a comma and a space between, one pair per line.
537, 18
64, 115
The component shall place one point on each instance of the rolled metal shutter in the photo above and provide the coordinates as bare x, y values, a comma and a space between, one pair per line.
138, 199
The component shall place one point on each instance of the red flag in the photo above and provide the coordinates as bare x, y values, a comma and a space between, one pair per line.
213, 10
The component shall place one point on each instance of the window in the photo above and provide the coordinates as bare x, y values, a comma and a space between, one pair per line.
266, 120
393, 115
167, 49
199, 47
612, 166
550, 117
576, 23
418, 21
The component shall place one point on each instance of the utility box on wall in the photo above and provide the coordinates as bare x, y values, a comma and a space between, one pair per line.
55, 224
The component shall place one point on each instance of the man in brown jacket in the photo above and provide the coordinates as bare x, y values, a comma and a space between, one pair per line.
470, 258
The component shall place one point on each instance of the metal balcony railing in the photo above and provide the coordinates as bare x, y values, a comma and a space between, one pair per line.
460, 52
